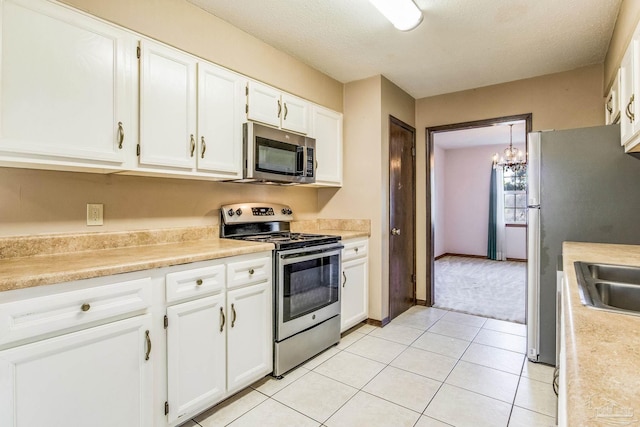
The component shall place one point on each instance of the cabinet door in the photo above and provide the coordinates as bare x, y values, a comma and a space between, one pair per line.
249, 335
355, 284
295, 114
627, 94
264, 104
327, 131
167, 107
220, 104
67, 81
97, 377
195, 355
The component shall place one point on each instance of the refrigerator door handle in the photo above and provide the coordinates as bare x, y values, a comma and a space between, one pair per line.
533, 285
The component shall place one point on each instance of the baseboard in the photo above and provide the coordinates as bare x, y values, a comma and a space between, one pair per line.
475, 256
378, 323
421, 302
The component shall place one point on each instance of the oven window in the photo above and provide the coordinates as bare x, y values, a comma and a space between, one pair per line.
310, 285
278, 157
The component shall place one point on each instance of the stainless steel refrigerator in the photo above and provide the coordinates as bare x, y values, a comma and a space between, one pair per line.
581, 187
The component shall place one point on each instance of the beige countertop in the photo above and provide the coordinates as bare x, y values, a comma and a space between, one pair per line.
24, 272
27, 261
602, 348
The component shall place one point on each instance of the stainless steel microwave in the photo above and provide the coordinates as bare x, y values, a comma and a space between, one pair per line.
276, 156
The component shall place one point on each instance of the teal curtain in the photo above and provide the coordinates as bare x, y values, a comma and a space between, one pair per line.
492, 245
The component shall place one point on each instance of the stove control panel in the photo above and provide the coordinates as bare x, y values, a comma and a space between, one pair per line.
255, 212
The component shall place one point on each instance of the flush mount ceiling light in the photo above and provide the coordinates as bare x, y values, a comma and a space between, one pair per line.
403, 14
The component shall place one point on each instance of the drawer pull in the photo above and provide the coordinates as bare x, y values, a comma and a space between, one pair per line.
251, 271
355, 249
148, 338
199, 282
233, 321
85, 307
222, 319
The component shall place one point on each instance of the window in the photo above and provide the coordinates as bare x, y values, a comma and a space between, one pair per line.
515, 196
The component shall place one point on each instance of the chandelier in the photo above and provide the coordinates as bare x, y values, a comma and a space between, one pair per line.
513, 159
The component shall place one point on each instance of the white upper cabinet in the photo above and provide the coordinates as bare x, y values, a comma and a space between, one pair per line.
629, 92
67, 88
268, 105
327, 131
220, 117
167, 107
612, 104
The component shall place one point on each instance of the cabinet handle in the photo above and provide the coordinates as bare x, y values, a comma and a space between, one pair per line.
609, 108
316, 164
85, 307
233, 310
199, 282
395, 231
344, 279
251, 271
193, 145
286, 111
148, 338
279, 108
120, 135
222, 319
628, 111
204, 147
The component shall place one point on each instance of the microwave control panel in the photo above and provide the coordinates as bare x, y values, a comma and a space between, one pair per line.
310, 163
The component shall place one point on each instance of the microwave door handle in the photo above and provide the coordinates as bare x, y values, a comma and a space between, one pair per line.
303, 160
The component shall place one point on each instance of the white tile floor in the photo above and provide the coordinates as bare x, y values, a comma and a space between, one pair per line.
428, 368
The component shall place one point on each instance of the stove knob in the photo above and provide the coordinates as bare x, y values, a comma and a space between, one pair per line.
289, 212
230, 212
284, 211
238, 211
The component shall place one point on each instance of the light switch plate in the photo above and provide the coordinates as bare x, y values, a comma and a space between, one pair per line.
95, 213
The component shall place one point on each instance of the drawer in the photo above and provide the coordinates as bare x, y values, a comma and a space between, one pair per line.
195, 282
250, 271
31, 317
355, 249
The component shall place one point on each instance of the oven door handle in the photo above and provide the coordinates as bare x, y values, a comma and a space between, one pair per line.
312, 253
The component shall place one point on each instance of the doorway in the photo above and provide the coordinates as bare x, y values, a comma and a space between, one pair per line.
402, 207
431, 197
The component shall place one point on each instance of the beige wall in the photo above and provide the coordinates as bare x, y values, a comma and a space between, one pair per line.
44, 202
628, 18
558, 101
187, 27
367, 106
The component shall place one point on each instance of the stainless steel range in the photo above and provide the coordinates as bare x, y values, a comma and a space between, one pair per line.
306, 280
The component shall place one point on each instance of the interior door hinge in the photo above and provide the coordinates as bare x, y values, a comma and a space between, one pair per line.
166, 321
246, 89
413, 278
138, 52
138, 150
246, 109
166, 408
413, 151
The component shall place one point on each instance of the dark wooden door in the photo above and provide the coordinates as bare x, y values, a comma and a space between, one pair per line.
402, 208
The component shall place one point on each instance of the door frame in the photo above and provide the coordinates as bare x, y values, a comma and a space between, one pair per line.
395, 121
429, 172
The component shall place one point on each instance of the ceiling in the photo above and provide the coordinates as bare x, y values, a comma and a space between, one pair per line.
489, 135
460, 44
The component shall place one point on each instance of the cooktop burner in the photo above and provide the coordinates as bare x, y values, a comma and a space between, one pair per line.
266, 222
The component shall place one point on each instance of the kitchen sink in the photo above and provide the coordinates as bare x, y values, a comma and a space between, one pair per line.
609, 287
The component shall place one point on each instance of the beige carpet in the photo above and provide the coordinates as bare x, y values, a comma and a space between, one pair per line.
483, 287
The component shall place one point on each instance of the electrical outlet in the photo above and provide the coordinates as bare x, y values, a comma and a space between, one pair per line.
94, 213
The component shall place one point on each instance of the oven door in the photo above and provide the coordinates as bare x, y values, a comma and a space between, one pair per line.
308, 288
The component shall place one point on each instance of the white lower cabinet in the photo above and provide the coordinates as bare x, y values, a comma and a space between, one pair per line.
355, 283
219, 336
99, 377
249, 335
196, 356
